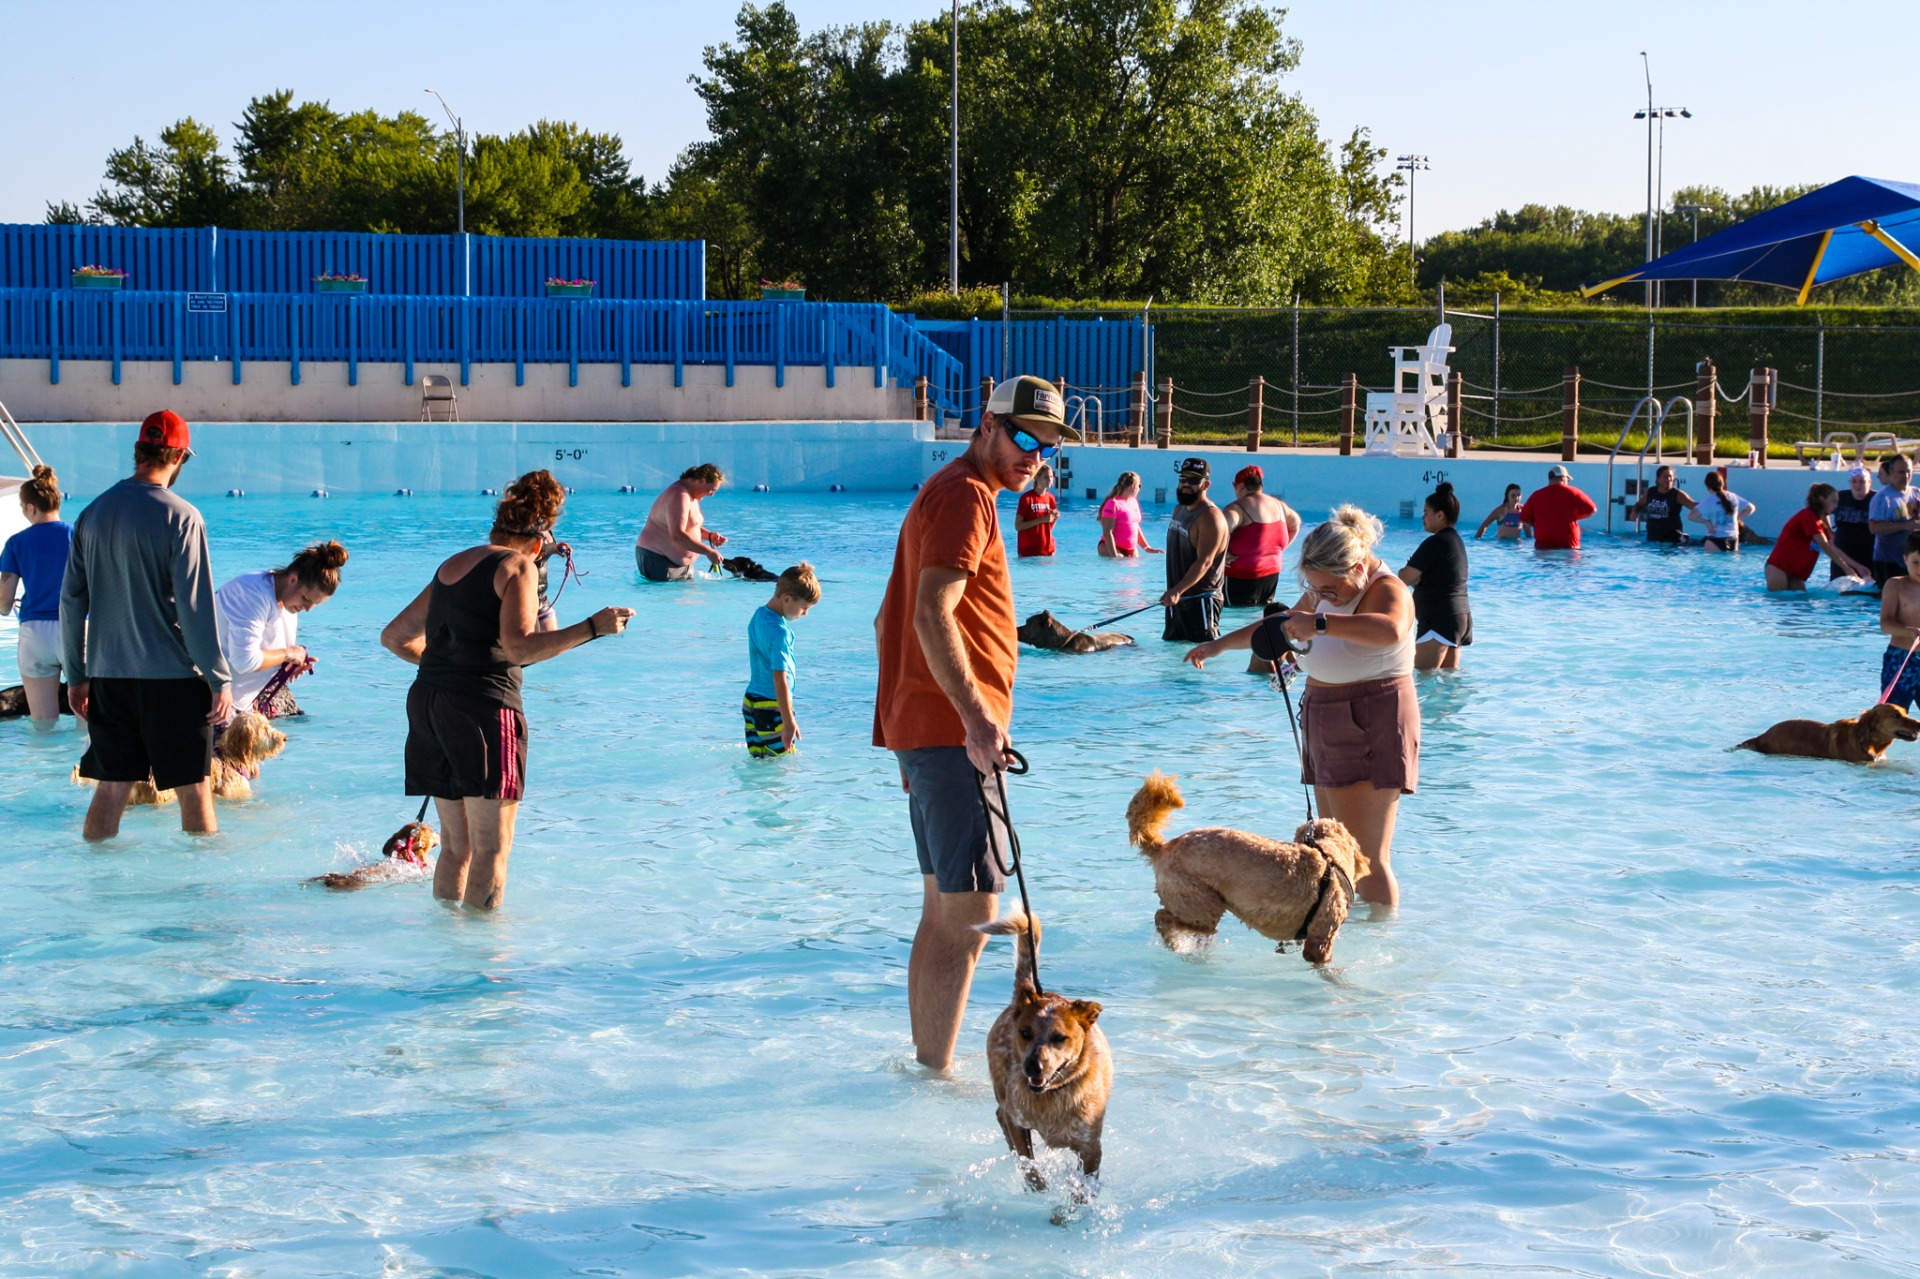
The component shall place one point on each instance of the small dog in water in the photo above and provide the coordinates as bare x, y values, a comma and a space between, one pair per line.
404, 856
1287, 892
742, 567
248, 741
1044, 630
1052, 1070
1861, 740
13, 702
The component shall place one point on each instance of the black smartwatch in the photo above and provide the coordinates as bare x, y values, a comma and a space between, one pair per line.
1320, 623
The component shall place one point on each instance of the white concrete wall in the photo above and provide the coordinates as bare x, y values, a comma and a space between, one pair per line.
86, 393
431, 457
1314, 482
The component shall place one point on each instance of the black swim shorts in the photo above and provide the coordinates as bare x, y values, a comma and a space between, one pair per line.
1193, 621
149, 727
461, 747
949, 826
656, 567
1251, 592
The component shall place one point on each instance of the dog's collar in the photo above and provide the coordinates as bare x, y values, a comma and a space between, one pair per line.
1326, 882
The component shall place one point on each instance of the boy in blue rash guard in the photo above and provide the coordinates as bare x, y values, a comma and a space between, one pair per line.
1900, 622
772, 728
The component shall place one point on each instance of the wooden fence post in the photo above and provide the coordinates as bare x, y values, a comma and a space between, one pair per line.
1256, 411
1570, 413
1455, 426
1137, 411
920, 406
1706, 409
1165, 413
1759, 405
1349, 405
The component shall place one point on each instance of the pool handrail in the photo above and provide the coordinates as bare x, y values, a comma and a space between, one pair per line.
1657, 412
14, 436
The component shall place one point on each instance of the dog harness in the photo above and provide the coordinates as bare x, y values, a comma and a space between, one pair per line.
1320, 898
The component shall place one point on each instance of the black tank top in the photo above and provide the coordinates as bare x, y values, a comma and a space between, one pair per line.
1181, 555
463, 653
1662, 515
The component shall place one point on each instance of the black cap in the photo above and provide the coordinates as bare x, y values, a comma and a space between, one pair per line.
1196, 466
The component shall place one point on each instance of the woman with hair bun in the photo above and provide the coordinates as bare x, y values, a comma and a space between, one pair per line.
1359, 717
32, 565
470, 632
258, 618
1437, 572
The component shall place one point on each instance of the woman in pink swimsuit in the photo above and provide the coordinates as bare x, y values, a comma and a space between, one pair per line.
1121, 533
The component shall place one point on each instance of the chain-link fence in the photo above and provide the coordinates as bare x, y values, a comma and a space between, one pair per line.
1831, 377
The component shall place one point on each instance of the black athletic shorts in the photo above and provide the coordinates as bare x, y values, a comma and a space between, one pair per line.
461, 747
1251, 592
949, 825
141, 728
656, 567
1194, 621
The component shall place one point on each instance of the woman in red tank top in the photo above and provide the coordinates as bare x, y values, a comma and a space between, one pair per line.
1259, 528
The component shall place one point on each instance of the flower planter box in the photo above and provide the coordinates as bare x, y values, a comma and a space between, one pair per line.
340, 286
569, 290
96, 281
783, 295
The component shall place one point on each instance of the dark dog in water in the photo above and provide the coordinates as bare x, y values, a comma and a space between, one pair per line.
742, 567
13, 702
1044, 630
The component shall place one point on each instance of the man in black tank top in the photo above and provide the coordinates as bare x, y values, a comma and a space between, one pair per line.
1196, 560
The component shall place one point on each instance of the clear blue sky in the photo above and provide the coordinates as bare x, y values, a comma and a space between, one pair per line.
1512, 101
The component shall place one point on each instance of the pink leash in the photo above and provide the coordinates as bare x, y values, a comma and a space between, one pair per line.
1888, 691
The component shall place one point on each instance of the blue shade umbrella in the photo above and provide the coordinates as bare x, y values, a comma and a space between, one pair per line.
1853, 226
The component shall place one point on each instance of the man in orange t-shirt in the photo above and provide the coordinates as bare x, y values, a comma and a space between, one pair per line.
948, 648
1554, 512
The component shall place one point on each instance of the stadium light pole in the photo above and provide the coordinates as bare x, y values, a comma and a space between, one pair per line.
1411, 164
1656, 185
953, 191
1694, 211
460, 159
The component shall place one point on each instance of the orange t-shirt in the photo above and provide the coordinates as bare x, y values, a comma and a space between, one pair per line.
952, 524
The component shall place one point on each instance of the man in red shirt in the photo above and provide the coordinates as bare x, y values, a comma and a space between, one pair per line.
948, 647
1554, 512
1035, 515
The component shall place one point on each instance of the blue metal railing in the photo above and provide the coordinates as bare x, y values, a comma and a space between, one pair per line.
297, 328
207, 259
1097, 357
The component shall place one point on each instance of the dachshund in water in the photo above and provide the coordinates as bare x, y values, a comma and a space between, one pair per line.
406, 855
1861, 740
1044, 630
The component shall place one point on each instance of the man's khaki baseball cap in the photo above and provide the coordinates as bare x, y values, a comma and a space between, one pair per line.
1031, 401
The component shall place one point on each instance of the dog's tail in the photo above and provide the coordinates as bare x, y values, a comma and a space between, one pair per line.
1025, 930
1147, 812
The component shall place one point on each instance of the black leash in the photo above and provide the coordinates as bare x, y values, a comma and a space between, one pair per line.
1015, 867
424, 805
1090, 628
1293, 722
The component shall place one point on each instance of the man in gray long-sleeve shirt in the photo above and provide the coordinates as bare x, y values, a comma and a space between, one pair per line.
137, 632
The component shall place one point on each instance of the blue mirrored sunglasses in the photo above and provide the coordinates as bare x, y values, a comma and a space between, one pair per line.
1027, 443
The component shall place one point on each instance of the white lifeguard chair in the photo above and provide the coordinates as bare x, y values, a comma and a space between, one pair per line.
1410, 420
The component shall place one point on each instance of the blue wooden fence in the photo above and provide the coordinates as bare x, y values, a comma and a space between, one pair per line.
67, 324
1097, 357
207, 259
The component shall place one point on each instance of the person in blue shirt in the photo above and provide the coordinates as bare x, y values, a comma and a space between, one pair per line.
32, 566
772, 727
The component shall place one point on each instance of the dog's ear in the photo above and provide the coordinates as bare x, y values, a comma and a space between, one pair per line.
1086, 1010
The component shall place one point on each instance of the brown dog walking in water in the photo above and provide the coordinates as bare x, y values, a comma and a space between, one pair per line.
1861, 740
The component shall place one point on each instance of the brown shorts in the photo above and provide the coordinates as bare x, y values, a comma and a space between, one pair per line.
1365, 732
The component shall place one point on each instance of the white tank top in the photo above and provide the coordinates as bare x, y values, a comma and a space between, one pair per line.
1338, 661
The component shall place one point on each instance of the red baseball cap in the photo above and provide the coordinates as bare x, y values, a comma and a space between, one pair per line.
1250, 473
165, 428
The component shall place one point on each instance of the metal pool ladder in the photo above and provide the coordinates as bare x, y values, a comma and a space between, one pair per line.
1656, 415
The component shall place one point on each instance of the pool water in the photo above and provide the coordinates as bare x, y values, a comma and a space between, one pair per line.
1648, 1008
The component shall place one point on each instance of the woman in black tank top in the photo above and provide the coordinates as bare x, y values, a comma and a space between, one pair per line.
470, 632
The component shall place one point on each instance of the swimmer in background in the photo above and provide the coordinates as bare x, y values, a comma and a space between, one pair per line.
1851, 532
1507, 516
1122, 535
772, 727
1661, 508
675, 534
1900, 622
1722, 513
1035, 515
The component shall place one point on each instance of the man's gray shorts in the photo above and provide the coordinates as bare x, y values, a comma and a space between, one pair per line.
656, 567
949, 826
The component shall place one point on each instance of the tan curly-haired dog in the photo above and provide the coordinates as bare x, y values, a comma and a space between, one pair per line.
1288, 892
248, 741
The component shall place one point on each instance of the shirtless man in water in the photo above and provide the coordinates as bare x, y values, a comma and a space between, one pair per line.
675, 535
1900, 622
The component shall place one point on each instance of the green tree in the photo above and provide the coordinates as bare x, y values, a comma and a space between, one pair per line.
182, 182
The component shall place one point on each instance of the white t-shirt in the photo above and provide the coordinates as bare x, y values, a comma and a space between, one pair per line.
250, 622
1721, 522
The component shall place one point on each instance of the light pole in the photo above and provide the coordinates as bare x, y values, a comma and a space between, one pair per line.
953, 192
1411, 164
1694, 210
460, 159
1655, 194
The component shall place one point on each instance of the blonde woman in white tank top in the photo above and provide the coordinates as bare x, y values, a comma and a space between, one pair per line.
1360, 715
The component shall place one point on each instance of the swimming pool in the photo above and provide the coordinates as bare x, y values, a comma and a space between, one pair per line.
1648, 1008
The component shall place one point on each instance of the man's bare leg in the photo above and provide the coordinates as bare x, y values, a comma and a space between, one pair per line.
940, 968
450, 868
104, 813
43, 700
196, 808
490, 836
